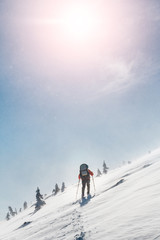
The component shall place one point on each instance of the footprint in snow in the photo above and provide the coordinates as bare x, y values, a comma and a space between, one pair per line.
80, 237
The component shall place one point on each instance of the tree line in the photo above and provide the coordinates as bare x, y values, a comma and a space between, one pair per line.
40, 198
39, 201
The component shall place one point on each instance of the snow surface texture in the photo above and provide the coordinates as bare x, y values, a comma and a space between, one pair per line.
126, 206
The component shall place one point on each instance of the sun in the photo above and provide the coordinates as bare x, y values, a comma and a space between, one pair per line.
75, 21
79, 21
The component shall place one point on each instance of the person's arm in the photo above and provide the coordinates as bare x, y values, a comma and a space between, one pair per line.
90, 172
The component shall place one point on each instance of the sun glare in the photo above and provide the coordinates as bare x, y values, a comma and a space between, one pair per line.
79, 21
76, 22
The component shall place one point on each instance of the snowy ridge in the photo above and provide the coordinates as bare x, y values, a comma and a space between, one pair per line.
125, 207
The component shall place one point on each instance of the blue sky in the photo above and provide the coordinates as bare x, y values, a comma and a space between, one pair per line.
72, 93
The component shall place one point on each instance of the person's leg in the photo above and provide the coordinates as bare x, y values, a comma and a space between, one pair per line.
83, 187
88, 187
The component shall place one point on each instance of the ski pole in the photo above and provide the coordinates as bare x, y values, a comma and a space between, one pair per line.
77, 189
94, 185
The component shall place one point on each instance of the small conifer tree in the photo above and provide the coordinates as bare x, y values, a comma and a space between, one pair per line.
63, 187
15, 211
57, 189
25, 205
12, 213
8, 216
98, 173
105, 168
39, 198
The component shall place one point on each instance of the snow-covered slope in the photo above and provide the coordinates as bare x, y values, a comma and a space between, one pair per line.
126, 207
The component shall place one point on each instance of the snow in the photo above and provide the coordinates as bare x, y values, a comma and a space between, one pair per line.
125, 207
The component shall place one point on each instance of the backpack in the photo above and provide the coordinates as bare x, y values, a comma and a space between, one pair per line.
84, 171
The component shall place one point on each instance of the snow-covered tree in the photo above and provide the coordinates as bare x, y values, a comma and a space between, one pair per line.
12, 213
57, 189
39, 198
98, 173
105, 168
15, 211
8, 216
63, 187
25, 205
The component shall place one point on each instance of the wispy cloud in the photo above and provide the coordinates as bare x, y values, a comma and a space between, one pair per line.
116, 76
122, 75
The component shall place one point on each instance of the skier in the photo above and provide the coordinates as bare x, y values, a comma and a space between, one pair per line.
84, 175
